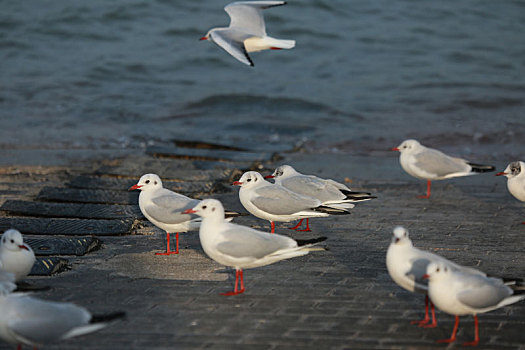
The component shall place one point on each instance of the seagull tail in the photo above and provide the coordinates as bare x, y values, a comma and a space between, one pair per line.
280, 43
233, 214
480, 168
357, 196
331, 210
302, 242
97, 322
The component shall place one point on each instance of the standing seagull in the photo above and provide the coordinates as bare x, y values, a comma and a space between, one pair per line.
463, 293
407, 265
430, 164
273, 202
242, 247
515, 173
247, 32
16, 256
32, 321
329, 192
163, 208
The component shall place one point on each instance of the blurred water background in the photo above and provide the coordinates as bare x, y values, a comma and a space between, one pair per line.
124, 74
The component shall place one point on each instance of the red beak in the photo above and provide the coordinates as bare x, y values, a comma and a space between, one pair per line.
395, 149
501, 173
189, 211
23, 246
203, 38
269, 177
134, 187
236, 183
425, 276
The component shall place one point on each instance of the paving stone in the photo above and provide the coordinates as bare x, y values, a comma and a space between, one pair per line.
67, 226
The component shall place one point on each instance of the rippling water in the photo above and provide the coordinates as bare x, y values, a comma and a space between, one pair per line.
364, 75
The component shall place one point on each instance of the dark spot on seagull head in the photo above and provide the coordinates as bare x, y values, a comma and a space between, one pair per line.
515, 168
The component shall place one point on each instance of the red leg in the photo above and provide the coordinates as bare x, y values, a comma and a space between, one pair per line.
426, 319
297, 226
307, 229
454, 331
476, 333
168, 251
434, 321
428, 190
19, 347
238, 278
273, 226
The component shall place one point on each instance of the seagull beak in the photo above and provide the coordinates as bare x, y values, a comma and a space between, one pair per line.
395, 149
23, 246
189, 211
501, 173
203, 38
236, 183
425, 276
269, 177
134, 187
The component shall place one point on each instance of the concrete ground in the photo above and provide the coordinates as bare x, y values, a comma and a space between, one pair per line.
342, 298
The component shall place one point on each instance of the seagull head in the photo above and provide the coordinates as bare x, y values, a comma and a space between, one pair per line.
207, 208
207, 36
407, 146
147, 182
436, 271
250, 179
400, 236
282, 172
512, 170
12, 240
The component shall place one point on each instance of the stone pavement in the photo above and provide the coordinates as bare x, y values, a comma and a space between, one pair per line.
339, 299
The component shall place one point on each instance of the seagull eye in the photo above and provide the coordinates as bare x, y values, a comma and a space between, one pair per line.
437, 270
212, 209
203, 207
12, 241
249, 180
155, 182
147, 181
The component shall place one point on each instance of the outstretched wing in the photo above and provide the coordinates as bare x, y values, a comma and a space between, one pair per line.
233, 43
248, 15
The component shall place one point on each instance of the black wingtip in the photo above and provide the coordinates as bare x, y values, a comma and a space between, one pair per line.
330, 210
107, 317
480, 168
234, 214
302, 242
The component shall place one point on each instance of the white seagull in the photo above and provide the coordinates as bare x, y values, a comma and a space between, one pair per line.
16, 256
164, 209
242, 247
430, 164
464, 293
273, 202
515, 173
329, 192
7, 281
407, 265
247, 31
32, 321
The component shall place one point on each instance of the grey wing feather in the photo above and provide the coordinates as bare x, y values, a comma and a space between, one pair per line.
280, 201
43, 322
436, 162
245, 242
313, 187
418, 269
233, 43
247, 15
168, 207
482, 292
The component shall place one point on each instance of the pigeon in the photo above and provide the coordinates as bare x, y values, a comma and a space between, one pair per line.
430, 164
16, 256
459, 292
329, 192
273, 202
242, 247
247, 31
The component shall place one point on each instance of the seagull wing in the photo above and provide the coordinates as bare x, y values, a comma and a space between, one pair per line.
233, 43
480, 292
278, 200
247, 15
437, 163
168, 207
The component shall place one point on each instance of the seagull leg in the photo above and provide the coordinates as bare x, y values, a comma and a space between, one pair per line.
424, 321
168, 251
453, 336
19, 347
238, 276
428, 190
476, 333
297, 226
272, 224
434, 321
307, 229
